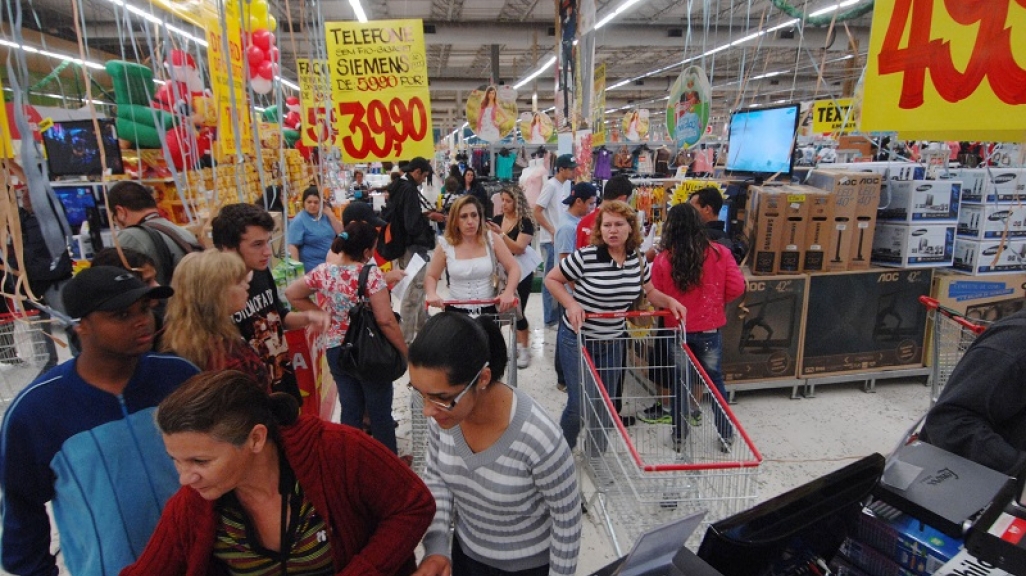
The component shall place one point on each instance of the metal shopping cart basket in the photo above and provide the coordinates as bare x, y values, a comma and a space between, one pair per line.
23, 353
644, 475
952, 335
507, 322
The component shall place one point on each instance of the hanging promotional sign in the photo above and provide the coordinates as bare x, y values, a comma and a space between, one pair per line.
230, 94
598, 107
197, 12
635, 125
566, 61
6, 148
379, 87
687, 110
833, 116
941, 70
492, 112
316, 111
536, 127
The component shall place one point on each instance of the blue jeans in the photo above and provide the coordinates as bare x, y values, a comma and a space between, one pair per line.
608, 358
357, 397
548, 302
708, 350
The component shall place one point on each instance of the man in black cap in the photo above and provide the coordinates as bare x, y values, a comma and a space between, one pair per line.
361, 212
411, 215
548, 212
82, 436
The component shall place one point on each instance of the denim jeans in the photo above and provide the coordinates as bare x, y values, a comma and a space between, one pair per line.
357, 397
708, 350
548, 302
608, 358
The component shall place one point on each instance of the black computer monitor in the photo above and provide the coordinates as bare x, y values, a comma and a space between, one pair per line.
761, 141
76, 201
73, 150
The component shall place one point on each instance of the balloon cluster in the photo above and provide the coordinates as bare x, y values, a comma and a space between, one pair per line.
261, 51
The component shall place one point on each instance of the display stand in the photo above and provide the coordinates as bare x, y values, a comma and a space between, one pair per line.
867, 378
793, 383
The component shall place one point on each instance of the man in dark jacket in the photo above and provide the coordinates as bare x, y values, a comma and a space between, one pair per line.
413, 214
708, 202
981, 414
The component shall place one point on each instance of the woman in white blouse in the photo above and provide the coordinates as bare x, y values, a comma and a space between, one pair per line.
469, 252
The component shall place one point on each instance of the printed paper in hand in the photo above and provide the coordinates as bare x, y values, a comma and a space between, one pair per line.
416, 263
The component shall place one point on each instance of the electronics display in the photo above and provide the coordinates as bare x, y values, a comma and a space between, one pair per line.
762, 140
72, 148
76, 200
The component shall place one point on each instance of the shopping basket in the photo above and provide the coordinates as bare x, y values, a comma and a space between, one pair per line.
507, 322
952, 335
643, 476
23, 353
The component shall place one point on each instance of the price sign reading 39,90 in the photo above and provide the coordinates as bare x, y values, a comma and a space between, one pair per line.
382, 129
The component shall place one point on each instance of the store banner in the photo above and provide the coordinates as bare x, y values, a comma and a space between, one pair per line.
635, 125
566, 60
232, 99
940, 70
317, 114
834, 116
687, 109
379, 87
313, 377
6, 147
197, 12
598, 107
492, 112
536, 127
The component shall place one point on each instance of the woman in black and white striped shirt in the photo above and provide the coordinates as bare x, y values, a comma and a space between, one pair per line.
608, 276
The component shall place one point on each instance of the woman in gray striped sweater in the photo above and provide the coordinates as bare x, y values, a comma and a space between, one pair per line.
497, 464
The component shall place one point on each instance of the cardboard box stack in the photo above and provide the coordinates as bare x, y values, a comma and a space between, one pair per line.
853, 198
992, 223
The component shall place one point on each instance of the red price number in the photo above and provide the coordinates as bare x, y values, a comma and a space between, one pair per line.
320, 124
375, 83
381, 130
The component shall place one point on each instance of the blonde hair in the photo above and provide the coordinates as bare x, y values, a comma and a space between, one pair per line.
199, 325
452, 226
520, 205
621, 209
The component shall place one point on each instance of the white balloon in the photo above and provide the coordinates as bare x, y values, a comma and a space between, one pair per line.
261, 85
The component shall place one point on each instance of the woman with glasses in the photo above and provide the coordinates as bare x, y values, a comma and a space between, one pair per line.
496, 462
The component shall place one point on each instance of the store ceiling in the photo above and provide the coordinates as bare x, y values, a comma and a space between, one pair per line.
460, 35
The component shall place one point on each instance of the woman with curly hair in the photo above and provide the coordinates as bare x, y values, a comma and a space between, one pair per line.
704, 277
209, 287
516, 228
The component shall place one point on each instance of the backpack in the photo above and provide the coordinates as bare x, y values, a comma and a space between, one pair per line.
392, 236
156, 232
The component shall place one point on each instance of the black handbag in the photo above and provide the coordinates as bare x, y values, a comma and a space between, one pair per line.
366, 353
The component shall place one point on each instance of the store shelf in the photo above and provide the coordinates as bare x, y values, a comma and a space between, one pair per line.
867, 378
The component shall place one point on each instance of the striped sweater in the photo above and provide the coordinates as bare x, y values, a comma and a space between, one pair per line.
516, 504
602, 285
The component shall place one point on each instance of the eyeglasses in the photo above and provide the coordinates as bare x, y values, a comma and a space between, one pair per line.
451, 405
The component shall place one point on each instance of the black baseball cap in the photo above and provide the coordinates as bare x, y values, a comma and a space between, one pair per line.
581, 190
418, 162
566, 161
361, 212
107, 288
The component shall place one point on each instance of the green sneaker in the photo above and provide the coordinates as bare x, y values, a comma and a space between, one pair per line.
655, 414
695, 419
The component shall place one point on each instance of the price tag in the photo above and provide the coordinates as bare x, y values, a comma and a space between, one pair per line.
45, 124
383, 130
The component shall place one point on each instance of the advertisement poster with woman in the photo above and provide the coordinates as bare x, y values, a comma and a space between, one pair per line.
492, 112
635, 125
687, 110
536, 127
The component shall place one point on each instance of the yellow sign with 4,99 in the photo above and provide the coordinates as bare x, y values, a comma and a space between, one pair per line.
379, 87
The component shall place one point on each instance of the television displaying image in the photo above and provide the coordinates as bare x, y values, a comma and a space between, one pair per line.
72, 148
76, 200
761, 140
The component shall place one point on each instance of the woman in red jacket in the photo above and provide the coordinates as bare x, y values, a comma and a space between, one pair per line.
265, 492
704, 277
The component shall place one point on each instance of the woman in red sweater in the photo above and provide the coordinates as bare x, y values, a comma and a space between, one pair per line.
265, 492
704, 277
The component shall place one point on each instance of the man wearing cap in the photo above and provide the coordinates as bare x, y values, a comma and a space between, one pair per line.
548, 211
618, 187
411, 214
579, 204
82, 436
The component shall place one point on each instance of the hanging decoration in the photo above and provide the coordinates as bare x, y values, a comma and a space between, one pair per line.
687, 110
635, 125
825, 19
536, 127
566, 31
262, 52
492, 112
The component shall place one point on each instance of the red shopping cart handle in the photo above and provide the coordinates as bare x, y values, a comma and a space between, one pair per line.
954, 315
637, 314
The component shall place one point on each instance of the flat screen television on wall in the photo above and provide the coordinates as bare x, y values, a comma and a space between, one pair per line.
72, 148
761, 141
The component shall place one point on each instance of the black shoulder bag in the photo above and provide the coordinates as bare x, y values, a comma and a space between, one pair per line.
366, 353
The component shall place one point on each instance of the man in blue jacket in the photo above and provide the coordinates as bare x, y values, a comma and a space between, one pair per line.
82, 437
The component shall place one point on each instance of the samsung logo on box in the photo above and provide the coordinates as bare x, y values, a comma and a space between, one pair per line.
1003, 178
924, 188
999, 215
920, 232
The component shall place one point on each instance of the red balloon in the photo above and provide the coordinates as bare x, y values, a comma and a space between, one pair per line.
255, 56
266, 70
273, 54
262, 39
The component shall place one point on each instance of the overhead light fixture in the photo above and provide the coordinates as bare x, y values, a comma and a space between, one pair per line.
56, 56
358, 10
535, 74
834, 8
288, 83
619, 10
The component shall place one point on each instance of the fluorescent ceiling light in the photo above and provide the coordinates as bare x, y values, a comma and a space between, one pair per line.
33, 50
358, 9
619, 10
834, 8
288, 83
535, 74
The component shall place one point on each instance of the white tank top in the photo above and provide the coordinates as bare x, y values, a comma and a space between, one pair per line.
469, 278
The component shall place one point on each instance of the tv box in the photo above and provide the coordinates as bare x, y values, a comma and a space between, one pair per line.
940, 488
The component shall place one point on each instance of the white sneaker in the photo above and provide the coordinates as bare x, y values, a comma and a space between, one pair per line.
523, 357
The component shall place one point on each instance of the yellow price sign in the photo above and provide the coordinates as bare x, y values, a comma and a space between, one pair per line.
833, 116
947, 70
315, 100
6, 148
45, 124
224, 84
379, 86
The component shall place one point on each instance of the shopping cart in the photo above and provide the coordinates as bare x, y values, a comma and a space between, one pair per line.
642, 476
23, 353
952, 334
507, 322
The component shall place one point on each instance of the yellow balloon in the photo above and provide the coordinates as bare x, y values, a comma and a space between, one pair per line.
272, 23
259, 9
254, 23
